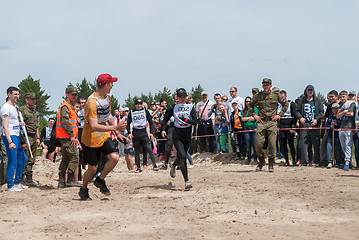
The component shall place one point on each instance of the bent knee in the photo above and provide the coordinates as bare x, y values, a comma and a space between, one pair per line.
114, 157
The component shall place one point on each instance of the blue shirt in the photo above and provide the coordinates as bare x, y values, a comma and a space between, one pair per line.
331, 119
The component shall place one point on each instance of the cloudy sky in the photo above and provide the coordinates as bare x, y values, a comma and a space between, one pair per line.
152, 44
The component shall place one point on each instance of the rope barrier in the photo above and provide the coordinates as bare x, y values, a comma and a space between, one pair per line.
279, 129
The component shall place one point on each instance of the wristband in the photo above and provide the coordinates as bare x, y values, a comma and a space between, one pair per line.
11, 142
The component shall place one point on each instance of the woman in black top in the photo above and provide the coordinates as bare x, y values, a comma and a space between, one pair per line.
184, 116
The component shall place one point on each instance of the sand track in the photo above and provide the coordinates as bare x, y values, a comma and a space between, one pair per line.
228, 201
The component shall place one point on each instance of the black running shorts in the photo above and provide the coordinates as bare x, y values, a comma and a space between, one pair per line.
92, 155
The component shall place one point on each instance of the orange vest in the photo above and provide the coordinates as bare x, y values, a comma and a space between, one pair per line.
60, 131
237, 121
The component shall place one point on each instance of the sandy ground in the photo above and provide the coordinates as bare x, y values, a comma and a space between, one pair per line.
228, 201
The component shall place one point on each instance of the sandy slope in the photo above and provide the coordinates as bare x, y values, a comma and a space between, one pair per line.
228, 201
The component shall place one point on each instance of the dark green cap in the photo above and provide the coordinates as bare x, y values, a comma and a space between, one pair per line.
71, 89
30, 95
275, 89
256, 90
267, 80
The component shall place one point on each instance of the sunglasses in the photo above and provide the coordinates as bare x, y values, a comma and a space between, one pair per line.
224, 99
232, 91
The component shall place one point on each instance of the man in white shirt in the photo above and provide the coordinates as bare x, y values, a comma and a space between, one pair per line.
205, 126
11, 129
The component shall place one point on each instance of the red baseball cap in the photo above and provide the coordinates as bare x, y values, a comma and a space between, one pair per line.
106, 78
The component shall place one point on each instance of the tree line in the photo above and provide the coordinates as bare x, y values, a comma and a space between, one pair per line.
86, 88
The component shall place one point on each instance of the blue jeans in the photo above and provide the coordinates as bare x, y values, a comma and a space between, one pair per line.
338, 150
233, 143
356, 147
249, 137
16, 161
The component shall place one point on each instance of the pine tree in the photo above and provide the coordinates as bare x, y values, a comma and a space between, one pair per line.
196, 93
31, 85
165, 94
85, 88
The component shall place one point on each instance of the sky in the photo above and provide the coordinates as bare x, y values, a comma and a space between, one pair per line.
149, 45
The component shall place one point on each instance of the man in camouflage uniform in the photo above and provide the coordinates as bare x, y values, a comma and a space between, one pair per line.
70, 155
3, 162
29, 114
255, 91
267, 103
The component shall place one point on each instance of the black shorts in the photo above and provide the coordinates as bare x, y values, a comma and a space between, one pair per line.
50, 147
92, 155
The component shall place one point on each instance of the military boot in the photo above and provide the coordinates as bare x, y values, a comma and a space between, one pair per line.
62, 183
271, 165
29, 181
70, 181
260, 164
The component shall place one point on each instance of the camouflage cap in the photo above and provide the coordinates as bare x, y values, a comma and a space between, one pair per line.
256, 90
71, 89
267, 80
275, 89
30, 95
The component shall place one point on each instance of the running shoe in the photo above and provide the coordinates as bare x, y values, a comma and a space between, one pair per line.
346, 166
101, 184
330, 165
155, 168
144, 166
21, 186
14, 189
173, 171
162, 157
138, 170
84, 194
164, 167
187, 185
310, 164
191, 166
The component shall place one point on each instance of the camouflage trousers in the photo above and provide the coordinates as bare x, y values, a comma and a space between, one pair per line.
3, 163
266, 129
70, 157
30, 160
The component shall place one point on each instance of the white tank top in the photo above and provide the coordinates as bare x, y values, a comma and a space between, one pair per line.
182, 110
103, 108
139, 119
287, 114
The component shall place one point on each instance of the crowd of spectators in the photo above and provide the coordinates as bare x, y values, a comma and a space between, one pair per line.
317, 133
304, 132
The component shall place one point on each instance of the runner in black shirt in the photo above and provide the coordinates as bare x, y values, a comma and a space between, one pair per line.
184, 116
139, 118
